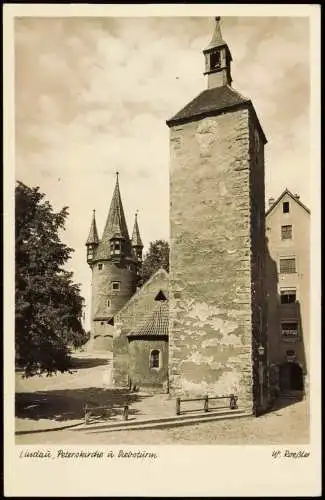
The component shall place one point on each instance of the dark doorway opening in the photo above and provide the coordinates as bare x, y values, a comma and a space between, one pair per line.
291, 377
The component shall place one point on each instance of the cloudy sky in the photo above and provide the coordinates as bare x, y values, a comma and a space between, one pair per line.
92, 96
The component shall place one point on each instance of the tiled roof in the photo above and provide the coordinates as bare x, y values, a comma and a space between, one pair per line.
93, 233
156, 324
115, 226
209, 101
212, 102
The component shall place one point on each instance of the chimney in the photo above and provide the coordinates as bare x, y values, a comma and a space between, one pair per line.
297, 196
271, 202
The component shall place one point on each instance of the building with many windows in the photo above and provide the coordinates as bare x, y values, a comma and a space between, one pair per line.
287, 268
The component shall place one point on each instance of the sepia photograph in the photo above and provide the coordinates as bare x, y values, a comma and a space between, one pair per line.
163, 206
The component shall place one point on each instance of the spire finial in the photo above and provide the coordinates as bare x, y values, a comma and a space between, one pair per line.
117, 174
94, 211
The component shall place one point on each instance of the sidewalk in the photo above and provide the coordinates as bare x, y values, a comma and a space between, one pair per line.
148, 411
147, 407
45, 404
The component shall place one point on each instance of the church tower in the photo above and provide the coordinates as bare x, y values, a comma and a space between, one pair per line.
115, 262
217, 335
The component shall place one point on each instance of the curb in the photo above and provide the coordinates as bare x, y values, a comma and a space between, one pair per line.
165, 425
160, 422
36, 431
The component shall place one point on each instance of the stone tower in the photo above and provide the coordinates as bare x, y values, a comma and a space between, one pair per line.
115, 262
217, 333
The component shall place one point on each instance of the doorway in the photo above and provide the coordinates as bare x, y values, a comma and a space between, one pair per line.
291, 377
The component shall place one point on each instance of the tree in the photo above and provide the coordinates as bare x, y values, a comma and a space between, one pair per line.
48, 308
156, 257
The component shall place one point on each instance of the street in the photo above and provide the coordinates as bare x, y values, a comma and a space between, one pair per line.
288, 425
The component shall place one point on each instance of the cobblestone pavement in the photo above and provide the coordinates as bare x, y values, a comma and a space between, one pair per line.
288, 425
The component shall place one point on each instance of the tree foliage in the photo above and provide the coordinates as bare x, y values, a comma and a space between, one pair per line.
48, 308
157, 257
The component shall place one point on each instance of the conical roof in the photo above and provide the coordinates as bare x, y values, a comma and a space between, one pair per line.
217, 40
115, 226
136, 238
93, 233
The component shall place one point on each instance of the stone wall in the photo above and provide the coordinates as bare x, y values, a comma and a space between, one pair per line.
102, 291
210, 333
258, 255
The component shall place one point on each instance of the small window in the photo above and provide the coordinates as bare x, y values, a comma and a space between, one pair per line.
155, 359
100, 266
289, 330
288, 296
108, 303
115, 247
102, 322
160, 296
285, 207
215, 60
115, 285
286, 232
288, 266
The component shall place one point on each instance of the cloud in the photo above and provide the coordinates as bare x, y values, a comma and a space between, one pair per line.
92, 96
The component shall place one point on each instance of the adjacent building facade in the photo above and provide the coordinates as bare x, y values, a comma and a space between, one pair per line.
288, 285
217, 330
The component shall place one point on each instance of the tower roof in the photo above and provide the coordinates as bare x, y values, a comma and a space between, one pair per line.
216, 40
212, 102
136, 238
115, 226
93, 233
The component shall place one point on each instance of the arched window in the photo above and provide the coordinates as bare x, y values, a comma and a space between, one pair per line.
155, 359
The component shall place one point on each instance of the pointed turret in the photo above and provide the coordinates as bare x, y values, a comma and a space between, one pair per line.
136, 241
115, 241
92, 240
217, 59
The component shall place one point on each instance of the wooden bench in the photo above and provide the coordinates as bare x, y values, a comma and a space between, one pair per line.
232, 402
105, 411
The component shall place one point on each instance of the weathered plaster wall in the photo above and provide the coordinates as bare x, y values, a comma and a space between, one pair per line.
141, 374
128, 318
210, 338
